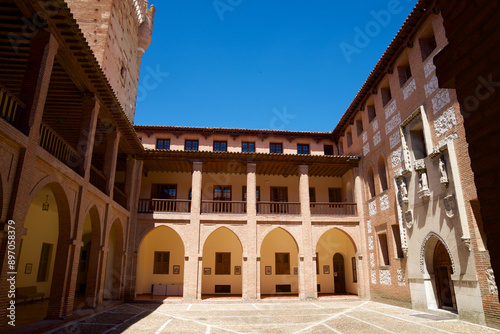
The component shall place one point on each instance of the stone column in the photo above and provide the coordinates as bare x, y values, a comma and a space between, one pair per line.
250, 267
110, 158
192, 274
307, 271
85, 145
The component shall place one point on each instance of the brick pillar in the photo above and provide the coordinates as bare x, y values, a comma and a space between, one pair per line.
307, 272
85, 145
192, 274
362, 256
130, 185
109, 169
250, 268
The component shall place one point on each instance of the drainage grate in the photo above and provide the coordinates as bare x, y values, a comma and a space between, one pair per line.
283, 288
429, 316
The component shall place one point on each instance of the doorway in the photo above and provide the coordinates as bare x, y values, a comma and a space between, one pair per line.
444, 285
338, 274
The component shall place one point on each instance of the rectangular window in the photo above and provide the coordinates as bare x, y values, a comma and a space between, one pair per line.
222, 263
427, 45
161, 262
371, 113
386, 95
163, 191
282, 263
328, 149
222, 193
354, 270
404, 74
349, 138
302, 149
244, 193
248, 146
384, 250
220, 146
44, 264
163, 144
359, 127
312, 195
275, 148
341, 147
397, 241
334, 195
279, 194
191, 145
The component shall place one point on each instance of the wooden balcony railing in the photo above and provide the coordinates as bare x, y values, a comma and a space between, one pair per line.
164, 205
278, 208
98, 179
9, 106
119, 197
334, 209
58, 147
232, 207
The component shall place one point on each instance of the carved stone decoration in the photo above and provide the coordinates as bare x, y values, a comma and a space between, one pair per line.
423, 185
420, 164
405, 251
466, 241
403, 190
373, 275
450, 206
423, 249
409, 219
385, 277
401, 277
490, 276
442, 171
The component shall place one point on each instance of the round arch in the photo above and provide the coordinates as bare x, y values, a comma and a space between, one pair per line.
427, 253
222, 263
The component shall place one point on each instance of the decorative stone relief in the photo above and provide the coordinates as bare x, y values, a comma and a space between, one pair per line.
391, 108
409, 89
394, 139
431, 86
365, 137
374, 276
450, 206
369, 226
443, 172
372, 207
449, 138
393, 123
384, 202
423, 185
490, 276
466, 241
403, 190
375, 125
385, 277
401, 277
429, 67
409, 219
445, 122
441, 99
370, 242
372, 259
397, 157
419, 164
423, 247
376, 139
366, 149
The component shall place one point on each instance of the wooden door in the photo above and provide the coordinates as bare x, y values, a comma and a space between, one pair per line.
338, 273
442, 272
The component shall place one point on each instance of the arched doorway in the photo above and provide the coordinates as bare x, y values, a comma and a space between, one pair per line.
113, 277
442, 271
160, 265
336, 264
222, 264
279, 264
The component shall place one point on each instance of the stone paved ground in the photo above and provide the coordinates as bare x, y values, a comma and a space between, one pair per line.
268, 317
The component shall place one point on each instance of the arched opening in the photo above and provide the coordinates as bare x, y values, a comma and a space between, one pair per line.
382, 174
222, 263
42, 246
279, 264
113, 278
88, 267
336, 264
371, 181
160, 265
443, 270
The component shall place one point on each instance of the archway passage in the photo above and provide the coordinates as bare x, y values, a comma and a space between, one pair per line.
279, 264
160, 265
442, 271
336, 265
222, 264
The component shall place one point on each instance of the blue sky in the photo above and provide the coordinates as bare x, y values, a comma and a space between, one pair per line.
285, 65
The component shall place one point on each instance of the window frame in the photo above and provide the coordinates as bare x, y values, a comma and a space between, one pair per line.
280, 266
220, 146
165, 142
248, 145
273, 148
222, 267
301, 147
159, 265
191, 142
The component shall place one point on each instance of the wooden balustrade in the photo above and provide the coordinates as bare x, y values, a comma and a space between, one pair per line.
98, 179
232, 207
58, 147
334, 209
119, 197
278, 208
164, 205
9, 106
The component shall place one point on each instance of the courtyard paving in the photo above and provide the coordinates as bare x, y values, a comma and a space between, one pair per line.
345, 316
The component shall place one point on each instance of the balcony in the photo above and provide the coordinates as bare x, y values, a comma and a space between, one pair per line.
229, 207
9, 106
98, 179
278, 208
120, 197
164, 205
334, 209
58, 147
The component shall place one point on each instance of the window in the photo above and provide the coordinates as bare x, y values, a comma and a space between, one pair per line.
404, 74
328, 149
334, 195
44, 264
359, 127
302, 148
161, 262
163, 144
384, 250
276, 148
417, 142
220, 146
248, 146
312, 195
282, 263
244, 192
386, 95
349, 138
341, 148
279, 194
222, 263
163, 191
371, 181
354, 270
222, 193
371, 113
382, 175
397, 240
191, 145
427, 45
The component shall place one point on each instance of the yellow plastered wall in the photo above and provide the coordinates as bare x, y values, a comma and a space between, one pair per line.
161, 239
222, 241
321, 185
110, 262
331, 242
278, 241
42, 227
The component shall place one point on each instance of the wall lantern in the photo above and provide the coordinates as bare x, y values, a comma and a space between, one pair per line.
45, 206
